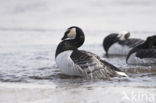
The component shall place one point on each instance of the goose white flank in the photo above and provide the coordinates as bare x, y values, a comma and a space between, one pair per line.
120, 44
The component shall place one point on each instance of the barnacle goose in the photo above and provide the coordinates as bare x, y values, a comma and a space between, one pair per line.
119, 43
143, 54
74, 62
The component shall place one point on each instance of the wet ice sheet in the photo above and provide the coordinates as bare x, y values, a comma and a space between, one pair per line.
36, 64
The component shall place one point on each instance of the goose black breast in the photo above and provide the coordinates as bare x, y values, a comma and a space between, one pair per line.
149, 53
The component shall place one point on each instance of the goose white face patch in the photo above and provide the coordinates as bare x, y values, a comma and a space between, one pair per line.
72, 33
124, 35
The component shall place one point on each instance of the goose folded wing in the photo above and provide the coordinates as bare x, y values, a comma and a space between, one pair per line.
92, 65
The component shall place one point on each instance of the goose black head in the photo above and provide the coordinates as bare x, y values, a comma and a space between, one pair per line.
109, 41
75, 34
150, 42
73, 38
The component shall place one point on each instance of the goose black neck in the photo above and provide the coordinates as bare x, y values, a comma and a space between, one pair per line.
141, 46
71, 44
109, 41
64, 46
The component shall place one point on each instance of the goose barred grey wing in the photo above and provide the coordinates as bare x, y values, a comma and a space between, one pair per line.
92, 65
131, 42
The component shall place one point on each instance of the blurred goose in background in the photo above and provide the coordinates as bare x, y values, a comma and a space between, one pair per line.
119, 44
74, 62
144, 53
